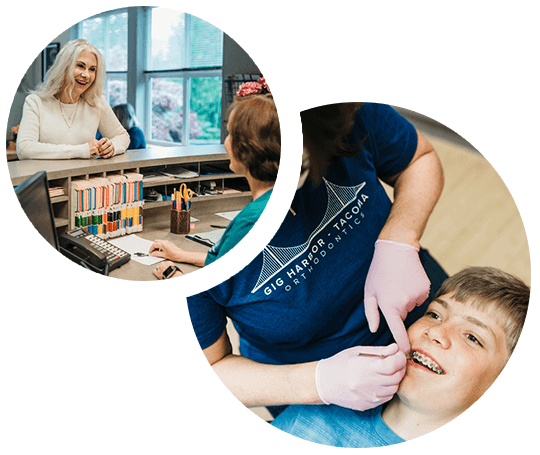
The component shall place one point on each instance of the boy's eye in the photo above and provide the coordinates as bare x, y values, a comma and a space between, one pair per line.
433, 315
473, 339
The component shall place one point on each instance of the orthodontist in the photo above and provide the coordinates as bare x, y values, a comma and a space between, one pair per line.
309, 304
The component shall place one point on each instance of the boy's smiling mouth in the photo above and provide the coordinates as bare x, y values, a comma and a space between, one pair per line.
425, 361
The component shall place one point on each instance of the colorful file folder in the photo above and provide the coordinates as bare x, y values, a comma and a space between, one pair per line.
109, 206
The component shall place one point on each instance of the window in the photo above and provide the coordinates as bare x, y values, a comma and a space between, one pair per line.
184, 76
116, 89
205, 109
167, 44
108, 32
182, 72
180, 41
206, 44
167, 108
175, 98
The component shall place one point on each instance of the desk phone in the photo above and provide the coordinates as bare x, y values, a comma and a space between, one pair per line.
80, 245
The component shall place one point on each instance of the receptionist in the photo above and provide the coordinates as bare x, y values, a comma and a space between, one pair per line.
62, 116
254, 148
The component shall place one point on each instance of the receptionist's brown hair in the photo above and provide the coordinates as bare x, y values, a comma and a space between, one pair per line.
255, 135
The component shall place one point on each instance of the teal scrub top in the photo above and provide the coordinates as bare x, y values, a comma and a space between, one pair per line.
238, 227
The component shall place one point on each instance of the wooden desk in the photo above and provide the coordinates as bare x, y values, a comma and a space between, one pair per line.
131, 160
160, 230
156, 215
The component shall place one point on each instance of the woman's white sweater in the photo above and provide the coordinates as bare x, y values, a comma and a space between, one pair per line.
44, 134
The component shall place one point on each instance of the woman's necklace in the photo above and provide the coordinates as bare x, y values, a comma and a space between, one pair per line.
69, 116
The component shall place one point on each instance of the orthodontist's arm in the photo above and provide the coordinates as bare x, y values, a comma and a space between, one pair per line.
416, 191
256, 384
358, 378
396, 281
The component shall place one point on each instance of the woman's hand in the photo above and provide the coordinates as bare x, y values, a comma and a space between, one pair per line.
396, 283
167, 250
106, 148
162, 266
94, 148
362, 377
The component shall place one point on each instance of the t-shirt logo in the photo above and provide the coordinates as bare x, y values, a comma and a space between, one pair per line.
343, 206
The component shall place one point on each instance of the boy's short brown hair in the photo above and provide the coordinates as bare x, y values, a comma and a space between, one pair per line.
256, 136
490, 289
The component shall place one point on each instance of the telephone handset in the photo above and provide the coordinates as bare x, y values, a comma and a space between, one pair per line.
85, 248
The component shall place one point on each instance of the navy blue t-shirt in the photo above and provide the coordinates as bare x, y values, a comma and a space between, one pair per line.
136, 136
137, 139
301, 299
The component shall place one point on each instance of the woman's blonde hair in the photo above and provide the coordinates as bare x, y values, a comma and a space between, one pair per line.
62, 71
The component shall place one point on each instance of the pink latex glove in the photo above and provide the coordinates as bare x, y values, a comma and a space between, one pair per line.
396, 283
362, 377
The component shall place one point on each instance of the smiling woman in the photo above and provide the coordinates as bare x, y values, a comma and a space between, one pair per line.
61, 118
84, 73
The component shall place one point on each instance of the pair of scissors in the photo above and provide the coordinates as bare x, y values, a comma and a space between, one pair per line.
185, 195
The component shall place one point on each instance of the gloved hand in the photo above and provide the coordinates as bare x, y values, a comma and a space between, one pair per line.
396, 283
361, 381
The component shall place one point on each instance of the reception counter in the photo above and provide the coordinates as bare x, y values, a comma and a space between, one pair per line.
208, 169
132, 160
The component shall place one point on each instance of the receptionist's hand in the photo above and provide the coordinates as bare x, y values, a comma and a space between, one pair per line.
162, 266
167, 250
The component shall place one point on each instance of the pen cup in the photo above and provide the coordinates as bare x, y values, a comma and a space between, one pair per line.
180, 221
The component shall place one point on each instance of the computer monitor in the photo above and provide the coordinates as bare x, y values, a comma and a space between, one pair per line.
35, 200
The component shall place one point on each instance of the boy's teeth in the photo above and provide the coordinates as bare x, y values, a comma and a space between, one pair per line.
423, 360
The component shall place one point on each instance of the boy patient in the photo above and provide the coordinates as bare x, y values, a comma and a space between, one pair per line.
458, 348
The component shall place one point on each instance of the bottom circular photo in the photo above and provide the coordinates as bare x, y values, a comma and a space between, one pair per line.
392, 295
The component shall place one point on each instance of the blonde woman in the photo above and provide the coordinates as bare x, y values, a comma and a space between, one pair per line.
61, 117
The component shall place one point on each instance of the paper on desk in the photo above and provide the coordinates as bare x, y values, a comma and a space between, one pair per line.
134, 244
209, 238
228, 215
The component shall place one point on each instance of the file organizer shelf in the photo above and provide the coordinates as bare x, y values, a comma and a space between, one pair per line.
79, 182
60, 203
108, 206
227, 185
